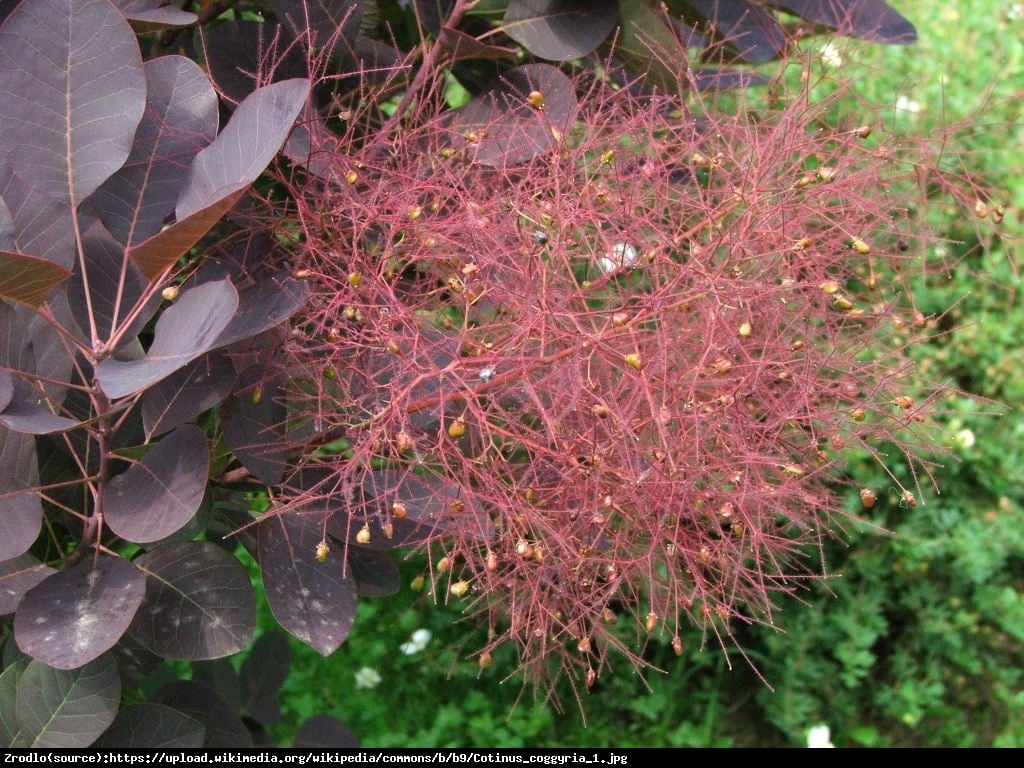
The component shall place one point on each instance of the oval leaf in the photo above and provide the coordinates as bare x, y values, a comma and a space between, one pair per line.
252, 420
41, 225
868, 19
374, 573
749, 29
151, 15
509, 129
186, 330
310, 599
181, 118
152, 726
199, 602
18, 576
73, 616
161, 493
559, 30
186, 393
28, 280
61, 709
10, 731
325, 732
71, 94
21, 512
224, 728
239, 54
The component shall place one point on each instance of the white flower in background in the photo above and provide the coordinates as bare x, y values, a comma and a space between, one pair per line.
1015, 11
819, 736
908, 106
367, 678
621, 256
416, 643
964, 438
830, 56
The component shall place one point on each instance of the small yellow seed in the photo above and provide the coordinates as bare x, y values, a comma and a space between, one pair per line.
998, 213
634, 361
389, 529
583, 646
398, 509
607, 157
864, 131
802, 244
491, 562
456, 429
745, 330
459, 588
619, 319
355, 279
394, 347
904, 402
591, 677
677, 646
351, 178
601, 411
257, 394
444, 564
859, 414
403, 442
415, 212
805, 181
826, 174
416, 585
980, 209
523, 549
322, 550
485, 660
830, 287
170, 293
651, 622
301, 274
793, 470
909, 500
535, 100
363, 537
868, 498
447, 152
860, 246
842, 303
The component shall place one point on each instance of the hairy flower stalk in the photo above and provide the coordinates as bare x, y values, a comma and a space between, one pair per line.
614, 381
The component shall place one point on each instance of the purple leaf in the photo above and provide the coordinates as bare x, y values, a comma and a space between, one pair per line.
559, 30
707, 79
224, 728
180, 119
18, 576
187, 329
431, 501
27, 279
310, 599
10, 731
6, 388
749, 29
6, 228
151, 15
220, 675
199, 602
72, 94
374, 573
31, 418
325, 732
77, 614
60, 709
222, 172
324, 19
161, 493
510, 129
649, 46
263, 306
21, 512
187, 393
241, 54
463, 46
252, 420
41, 225
263, 673
868, 19
245, 147
152, 726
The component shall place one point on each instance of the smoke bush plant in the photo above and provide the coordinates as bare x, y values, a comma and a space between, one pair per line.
596, 343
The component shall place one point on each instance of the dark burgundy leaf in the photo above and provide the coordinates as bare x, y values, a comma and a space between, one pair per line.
113, 283
559, 30
6, 228
509, 130
199, 602
28, 280
75, 615
49, 349
324, 19
180, 119
325, 732
430, 501
868, 19
21, 512
187, 393
263, 673
433, 13
151, 15
6, 388
61, 709
152, 726
462, 46
312, 600
10, 731
224, 728
221, 172
312, 145
239, 52
187, 329
31, 418
71, 94
269, 303
41, 225
374, 573
135, 662
18, 576
649, 46
220, 676
162, 492
749, 29
253, 421
723, 79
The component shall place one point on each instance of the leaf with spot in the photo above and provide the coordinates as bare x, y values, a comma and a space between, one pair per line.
71, 94
186, 330
199, 602
17, 576
224, 728
67, 708
160, 494
559, 30
510, 129
152, 726
310, 599
75, 615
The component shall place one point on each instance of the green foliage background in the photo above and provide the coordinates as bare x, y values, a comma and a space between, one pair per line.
918, 640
